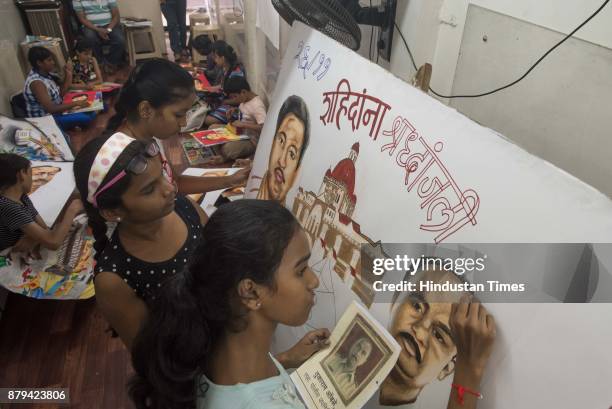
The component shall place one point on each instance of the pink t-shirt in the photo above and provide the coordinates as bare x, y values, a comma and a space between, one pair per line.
253, 111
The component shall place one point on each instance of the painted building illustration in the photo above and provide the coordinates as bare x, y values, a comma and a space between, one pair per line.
327, 218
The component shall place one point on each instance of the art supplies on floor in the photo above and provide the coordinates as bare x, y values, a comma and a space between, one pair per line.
64, 274
212, 137
195, 152
347, 373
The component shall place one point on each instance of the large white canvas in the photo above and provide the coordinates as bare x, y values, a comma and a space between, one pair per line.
520, 199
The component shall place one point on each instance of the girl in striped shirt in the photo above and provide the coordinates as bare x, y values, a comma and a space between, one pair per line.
21, 227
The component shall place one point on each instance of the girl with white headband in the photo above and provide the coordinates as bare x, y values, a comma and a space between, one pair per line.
153, 104
121, 180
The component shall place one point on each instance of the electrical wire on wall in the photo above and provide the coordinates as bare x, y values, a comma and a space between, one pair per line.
518, 79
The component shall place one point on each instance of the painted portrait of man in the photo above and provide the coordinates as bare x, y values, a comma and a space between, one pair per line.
41, 175
288, 147
421, 325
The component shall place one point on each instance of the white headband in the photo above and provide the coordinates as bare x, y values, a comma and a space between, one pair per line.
105, 159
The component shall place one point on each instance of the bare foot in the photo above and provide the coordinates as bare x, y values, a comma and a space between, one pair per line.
216, 160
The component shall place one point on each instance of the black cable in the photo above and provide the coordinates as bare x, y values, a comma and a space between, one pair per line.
406, 44
522, 76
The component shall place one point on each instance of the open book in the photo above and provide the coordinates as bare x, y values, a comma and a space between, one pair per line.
217, 136
348, 373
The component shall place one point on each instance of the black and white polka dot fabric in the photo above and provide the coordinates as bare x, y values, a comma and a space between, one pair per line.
143, 277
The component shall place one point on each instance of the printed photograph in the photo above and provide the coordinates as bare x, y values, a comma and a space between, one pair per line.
355, 360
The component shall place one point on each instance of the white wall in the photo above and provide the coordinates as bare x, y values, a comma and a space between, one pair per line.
263, 58
434, 30
12, 32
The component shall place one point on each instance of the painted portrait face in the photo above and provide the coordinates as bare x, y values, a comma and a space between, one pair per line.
421, 325
41, 175
359, 352
284, 158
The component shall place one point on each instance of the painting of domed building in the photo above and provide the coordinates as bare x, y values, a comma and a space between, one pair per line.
327, 218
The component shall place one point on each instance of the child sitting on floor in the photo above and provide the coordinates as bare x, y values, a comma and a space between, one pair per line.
204, 46
85, 70
251, 115
44, 95
21, 227
226, 58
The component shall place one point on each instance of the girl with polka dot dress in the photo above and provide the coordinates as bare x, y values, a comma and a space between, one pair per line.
122, 180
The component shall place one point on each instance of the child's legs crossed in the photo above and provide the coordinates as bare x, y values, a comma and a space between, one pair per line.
237, 149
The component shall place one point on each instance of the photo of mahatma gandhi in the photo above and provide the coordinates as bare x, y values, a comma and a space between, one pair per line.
355, 360
421, 325
41, 175
288, 147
